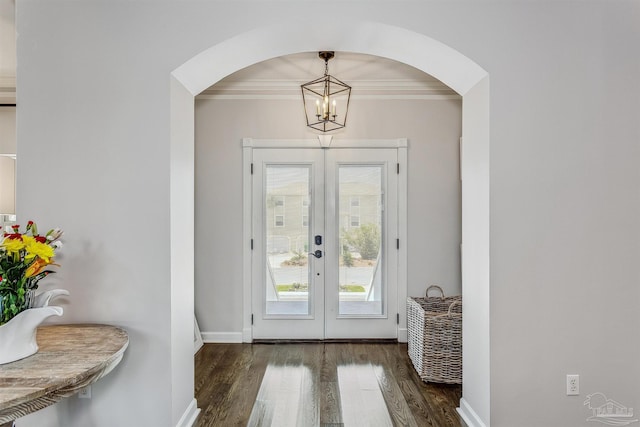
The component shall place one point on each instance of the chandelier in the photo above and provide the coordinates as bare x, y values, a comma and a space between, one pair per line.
326, 100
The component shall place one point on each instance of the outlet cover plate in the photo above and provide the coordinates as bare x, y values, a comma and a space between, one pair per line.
573, 385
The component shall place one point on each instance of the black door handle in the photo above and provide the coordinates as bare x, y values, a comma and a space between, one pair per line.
317, 253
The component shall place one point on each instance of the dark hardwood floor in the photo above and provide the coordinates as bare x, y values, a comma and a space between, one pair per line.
317, 384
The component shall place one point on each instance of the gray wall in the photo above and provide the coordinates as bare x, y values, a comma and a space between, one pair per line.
433, 130
565, 208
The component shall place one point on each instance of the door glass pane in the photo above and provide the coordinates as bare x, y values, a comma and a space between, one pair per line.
287, 237
360, 240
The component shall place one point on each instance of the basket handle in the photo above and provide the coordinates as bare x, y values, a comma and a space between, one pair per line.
426, 294
452, 305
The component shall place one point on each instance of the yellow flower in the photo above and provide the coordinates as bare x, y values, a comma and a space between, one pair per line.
37, 249
13, 245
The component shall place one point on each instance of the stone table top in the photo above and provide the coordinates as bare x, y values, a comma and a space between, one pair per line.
69, 358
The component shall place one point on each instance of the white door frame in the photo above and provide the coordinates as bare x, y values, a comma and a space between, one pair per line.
248, 144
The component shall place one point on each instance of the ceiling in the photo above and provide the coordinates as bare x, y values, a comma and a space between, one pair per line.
370, 76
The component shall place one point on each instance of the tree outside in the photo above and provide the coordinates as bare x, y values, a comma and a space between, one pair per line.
365, 240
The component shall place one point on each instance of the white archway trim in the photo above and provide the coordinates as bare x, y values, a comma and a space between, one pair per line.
475, 256
181, 234
422, 52
417, 50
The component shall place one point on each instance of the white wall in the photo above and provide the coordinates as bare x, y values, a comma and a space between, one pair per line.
476, 354
182, 256
433, 130
93, 132
565, 229
565, 210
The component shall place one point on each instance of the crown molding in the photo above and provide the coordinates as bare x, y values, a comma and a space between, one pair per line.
279, 97
379, 84
7, 90
8, 82
362, 89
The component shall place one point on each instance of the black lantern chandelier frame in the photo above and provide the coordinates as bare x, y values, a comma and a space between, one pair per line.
326, 89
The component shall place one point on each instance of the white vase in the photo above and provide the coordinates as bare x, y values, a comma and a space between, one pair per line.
18, 335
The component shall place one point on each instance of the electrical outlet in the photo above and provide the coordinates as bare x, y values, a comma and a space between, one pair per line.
85, 393
573, 385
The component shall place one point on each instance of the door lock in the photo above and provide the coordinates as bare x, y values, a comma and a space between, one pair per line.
318, 240
317, 254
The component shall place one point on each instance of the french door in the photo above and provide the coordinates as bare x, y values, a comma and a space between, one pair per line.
324, 262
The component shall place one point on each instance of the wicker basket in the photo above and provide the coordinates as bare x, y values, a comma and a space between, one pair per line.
435, 337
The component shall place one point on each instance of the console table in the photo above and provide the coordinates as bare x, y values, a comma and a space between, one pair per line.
70, 357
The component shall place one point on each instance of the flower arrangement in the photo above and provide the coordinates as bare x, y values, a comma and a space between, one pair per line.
24, 258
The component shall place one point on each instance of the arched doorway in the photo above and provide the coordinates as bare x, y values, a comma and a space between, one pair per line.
417, 50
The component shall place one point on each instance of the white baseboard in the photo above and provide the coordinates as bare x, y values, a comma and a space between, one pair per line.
468, 415
403, 335
245, 336
189, 417
222, 337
